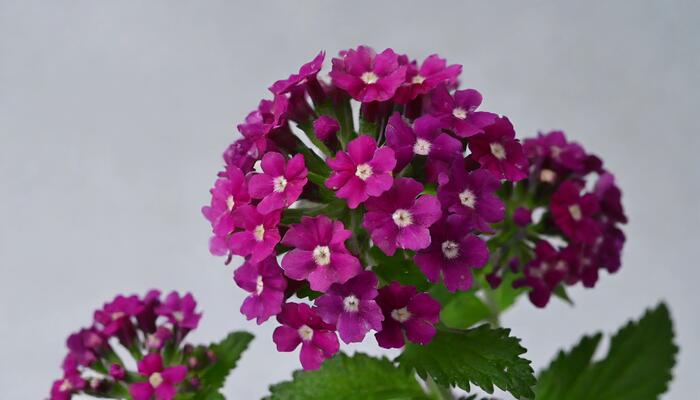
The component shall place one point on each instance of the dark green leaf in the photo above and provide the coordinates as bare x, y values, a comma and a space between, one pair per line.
227, 353
345, 378
464, 310
562, 373
399, 267
483, 356
560, 292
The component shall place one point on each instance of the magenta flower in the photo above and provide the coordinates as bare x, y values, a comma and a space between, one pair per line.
319, 253
229, 192
156, 340
115, 318
243, 153
472, 195
546, 271
399, 219
522, 216
326, 127
363, 171
459, 113
610, 197
117, 372
368, 76
421, 80
84, 347
425, 138
307, 71
453, 252
281, 182
574, 213
555, 152
260, 233
266, 284
180, 311
161, 382
351, 307
258, 124
498, 151
63, 389
301, 324
406, 311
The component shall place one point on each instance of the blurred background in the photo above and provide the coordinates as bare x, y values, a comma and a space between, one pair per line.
113, 118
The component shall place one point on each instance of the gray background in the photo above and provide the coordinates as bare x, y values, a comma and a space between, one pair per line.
113, 117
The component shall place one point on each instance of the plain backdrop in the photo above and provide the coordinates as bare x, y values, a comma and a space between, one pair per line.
114, 115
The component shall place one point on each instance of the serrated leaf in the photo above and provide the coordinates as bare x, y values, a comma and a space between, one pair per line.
483, 356
227, 353
399, 267
345, 378
460, 310
637, 367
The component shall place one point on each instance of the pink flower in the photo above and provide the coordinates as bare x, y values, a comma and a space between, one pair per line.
260, 233
406, 311
574, 213
319, 253
229, 192
301, 324
459, 112
180, 311
258, 124
432, 72
399, 219
279, 185
63, 389
161, 382
307, 71
368, 76
363, 171
351, 307
498, 151
326, 127
266, 285
115, 318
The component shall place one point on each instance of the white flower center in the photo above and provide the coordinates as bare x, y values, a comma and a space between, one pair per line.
418, 79
460, 113
556, 152
179, 316
230, 202
279, 184
351, 303
369, 77
575, 212
498, 151
401, 314
259, 232
152, 341
155, 379
363, 171
547, 175
117, 315
450, 249
560, 266
65, 386
402, 218
467, 198
322, 255
306, 333
422, 147
259, 285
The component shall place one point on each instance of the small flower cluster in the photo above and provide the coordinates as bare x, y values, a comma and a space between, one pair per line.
150, 329
419, 179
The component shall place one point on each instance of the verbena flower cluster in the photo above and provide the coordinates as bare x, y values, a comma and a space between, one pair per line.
389, 153
151, 330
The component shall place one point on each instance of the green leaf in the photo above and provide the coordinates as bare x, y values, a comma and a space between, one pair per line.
638, 365
464, 310
483, 356
561, 293
399, 267
227, 353
345, 378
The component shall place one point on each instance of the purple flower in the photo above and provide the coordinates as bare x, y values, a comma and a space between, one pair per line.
180, 311
363, 171
498, 151
610, 198
522, 216
279, 185
406, 311
351, 307
147, 317
229, 192
546, 271
117, 372
63, 389
425, 138
399, 219
115, 318
155, 341
319, 253
555, 153
84, 347
307, 71
326, 127
161, 382
266, 284
453, 252
243, 153
260, 233
368, 76
258, 124
301, 324
574, 213
459, 113
432, 72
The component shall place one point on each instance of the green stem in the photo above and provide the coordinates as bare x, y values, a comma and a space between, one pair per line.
309, 131
436, 391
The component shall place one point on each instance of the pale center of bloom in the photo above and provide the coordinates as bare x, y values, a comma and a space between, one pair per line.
556, 151
418, 79
279, 184
322, 255
351, 303
498, 151
575, 212
259, 232
65, 386
402, 218
152, 341
369, 77
363, 171
560, 266
450, 249
117, 315
460, 113
179, 316
230, 202
467, 198
401, 314
547, 175
305, 333
259, 285
155, 379
422, 147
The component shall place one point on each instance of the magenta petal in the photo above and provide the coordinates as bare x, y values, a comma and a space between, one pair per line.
326, 341
391, 335
260, 185
286, 338
362, 149
273, 164
241, 243
150, 363
165, 392
413, 237
352, 328
419, 331
311, 357
174, 374
298, 264
141, 390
